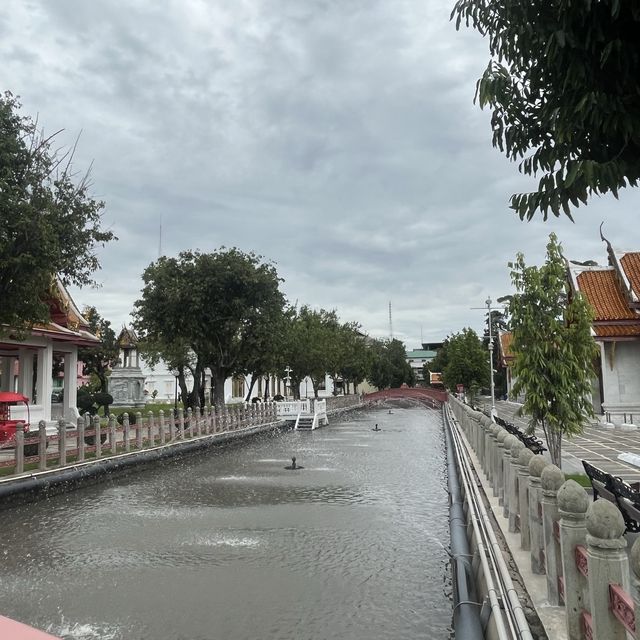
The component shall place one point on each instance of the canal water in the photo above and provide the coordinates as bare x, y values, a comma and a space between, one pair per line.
229, 545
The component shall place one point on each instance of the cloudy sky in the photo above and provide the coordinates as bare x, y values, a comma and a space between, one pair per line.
337, 138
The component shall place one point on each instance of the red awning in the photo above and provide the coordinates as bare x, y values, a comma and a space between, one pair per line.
10, 396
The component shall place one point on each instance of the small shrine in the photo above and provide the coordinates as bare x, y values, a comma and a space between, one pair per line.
126, 383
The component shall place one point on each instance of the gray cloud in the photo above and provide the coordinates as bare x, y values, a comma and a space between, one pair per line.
335, 137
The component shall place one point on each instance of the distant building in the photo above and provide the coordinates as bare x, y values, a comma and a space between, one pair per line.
417, 358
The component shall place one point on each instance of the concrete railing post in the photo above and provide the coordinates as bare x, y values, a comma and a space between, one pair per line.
151, 429
198, 420
523, 497
573, 502
537, 465
139, 430
608, 564
509, 441
488, 448
161, 426
98, 436
551, 480
181, 423
62, 443
190, 421
500, 435
42, 444
80, 438
113, 422
172, 426
19, 447
126, 432
514, 495
499, 492
634, 558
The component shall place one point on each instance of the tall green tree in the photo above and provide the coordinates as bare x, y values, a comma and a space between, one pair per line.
564, 87
49, 223
553, 349
389, 367
465, 361
311, 345
215, 307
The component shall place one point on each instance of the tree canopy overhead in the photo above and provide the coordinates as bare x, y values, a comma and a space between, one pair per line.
49, 223
564, 87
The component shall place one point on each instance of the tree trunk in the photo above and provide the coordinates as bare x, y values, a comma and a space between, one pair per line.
266, 389
219, 376
254, 377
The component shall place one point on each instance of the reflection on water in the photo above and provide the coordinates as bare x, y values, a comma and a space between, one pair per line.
231, 545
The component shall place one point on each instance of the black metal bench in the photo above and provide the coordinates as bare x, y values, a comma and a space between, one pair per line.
614, 489
530, 441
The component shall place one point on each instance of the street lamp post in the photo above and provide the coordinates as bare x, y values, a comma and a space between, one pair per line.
287, 378
493, 393
175, 373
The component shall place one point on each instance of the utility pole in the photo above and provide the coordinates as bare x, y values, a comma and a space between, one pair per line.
494, 413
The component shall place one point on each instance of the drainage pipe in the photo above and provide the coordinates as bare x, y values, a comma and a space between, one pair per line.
466, 608
499, 583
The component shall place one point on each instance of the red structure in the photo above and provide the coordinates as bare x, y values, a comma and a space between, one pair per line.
424, 395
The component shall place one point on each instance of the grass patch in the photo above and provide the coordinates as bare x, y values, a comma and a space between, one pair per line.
580, 478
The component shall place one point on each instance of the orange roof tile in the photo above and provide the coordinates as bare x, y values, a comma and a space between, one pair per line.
631, 265
616, 330
603, 292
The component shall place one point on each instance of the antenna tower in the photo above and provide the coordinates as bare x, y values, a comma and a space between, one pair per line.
390, 323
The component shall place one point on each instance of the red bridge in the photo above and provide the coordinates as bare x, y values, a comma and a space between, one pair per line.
429, 397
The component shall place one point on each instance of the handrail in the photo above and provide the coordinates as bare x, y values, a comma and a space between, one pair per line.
499, 584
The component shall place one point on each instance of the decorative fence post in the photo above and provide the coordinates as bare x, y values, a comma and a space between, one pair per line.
190, 421
112, 434
198, 421
523, 497
42, 444
499, 470
98, 436
172, 426
608, 567
486, 446
62, 443
151, 429
573, 502
551, 480
181, 423
635, 565
139, 428
19, 447
514, 495
495, 432
161, 425
536, 467
126, 432
509, 441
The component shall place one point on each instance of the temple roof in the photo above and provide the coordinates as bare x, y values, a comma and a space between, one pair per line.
608, 292
127, 338
67, 324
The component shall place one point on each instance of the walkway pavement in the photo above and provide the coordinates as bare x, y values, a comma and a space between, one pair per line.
596, 445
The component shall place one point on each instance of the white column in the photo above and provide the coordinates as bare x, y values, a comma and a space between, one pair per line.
25, 378
44, 381
70, 398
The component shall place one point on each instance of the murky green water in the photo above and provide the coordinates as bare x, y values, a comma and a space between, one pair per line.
229, 545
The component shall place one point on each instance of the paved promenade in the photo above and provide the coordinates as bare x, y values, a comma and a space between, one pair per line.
596, 445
